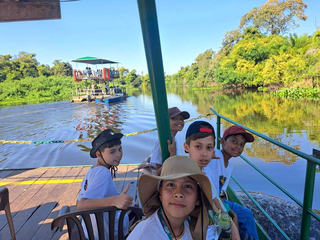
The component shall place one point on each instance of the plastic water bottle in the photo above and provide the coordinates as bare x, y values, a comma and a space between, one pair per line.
223, 222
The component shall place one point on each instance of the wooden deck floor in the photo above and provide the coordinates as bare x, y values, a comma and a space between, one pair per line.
37, 195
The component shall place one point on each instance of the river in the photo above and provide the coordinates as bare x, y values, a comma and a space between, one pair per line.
292, 122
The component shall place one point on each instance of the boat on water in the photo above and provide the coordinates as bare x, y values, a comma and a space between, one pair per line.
97, 82
110, 99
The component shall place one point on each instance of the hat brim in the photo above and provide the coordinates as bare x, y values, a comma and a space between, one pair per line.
95, 148
184, 114
147, 189
248, 136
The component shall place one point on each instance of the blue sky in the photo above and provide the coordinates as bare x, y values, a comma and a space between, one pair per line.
111, 29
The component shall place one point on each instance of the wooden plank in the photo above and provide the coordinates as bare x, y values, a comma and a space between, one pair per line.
34, 197
27, 10
21, 194
28, 175
63, 194
40, 206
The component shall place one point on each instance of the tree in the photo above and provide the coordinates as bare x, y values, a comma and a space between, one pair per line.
61, 68
44, 70
28, 64
9, 69
230, 39
129, 78
275, 17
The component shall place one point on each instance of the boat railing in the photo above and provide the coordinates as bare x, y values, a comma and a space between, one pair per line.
312, 162
97, 74
86, 92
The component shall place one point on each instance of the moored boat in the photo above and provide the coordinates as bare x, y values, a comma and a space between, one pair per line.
97, 82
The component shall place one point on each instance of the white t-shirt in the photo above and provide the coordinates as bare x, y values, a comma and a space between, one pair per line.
156, 157
98, 184
214, 180
151, 228
223, 172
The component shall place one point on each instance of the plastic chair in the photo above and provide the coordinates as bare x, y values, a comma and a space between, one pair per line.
4, 205
75, 229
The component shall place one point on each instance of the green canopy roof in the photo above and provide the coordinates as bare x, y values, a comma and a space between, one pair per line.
92, 60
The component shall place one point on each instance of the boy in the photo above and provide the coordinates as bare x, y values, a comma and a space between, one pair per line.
97, 188
233, 142
200, 142
176, 203
176, 124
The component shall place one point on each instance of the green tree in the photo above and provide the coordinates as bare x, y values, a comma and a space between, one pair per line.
9, 69
275, 17
28, 64
130, 77
44, 70
61, 68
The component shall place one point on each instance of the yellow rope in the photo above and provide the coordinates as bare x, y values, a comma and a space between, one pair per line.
90, 139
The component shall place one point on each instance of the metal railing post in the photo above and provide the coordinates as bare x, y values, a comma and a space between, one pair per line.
151, 39
218, 131
307, 200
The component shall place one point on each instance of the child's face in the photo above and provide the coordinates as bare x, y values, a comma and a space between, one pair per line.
112, 155
179, 197
234, 145
201, 150
177, 123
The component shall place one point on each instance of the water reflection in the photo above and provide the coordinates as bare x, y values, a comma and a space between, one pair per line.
293, 122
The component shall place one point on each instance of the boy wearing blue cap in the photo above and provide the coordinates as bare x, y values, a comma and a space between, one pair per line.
200, 143
97, 188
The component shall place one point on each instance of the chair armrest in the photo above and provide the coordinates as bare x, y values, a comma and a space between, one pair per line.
64, 210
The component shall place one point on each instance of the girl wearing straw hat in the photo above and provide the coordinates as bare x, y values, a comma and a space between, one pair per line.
176, 203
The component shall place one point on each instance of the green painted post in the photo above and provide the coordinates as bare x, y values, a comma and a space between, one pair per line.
218, 131
151, 39
307, 200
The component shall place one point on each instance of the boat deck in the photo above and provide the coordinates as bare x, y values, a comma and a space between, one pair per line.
37, 195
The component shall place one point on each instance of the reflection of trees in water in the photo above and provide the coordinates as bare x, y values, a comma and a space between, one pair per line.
84, 148
270, 153
279, 118
100, 117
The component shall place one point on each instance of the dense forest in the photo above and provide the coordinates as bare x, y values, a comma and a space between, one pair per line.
260, 54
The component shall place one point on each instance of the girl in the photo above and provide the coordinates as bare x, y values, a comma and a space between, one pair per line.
176, 203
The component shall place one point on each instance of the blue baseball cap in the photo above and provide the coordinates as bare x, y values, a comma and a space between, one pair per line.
195, 127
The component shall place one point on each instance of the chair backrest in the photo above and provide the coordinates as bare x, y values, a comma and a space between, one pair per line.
4, 205
75, 229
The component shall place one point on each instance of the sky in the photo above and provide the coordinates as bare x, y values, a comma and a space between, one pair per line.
111, 29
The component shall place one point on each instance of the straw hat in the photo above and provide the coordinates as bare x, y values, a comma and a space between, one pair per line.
173, 168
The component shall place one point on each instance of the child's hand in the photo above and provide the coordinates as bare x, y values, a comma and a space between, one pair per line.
172, 147
123, 201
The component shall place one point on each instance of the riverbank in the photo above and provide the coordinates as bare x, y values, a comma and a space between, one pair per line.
286, 214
